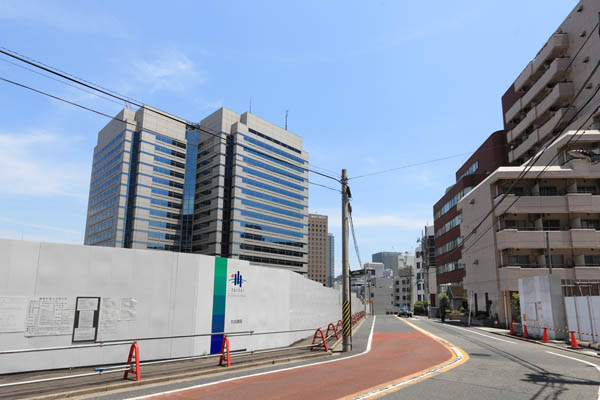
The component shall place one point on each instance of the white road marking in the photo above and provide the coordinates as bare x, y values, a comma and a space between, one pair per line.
581, 361
368, 349
481, 334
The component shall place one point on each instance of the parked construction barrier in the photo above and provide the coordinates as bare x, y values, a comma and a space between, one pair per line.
525, 334
512, 328
318, 333
133, 361
545, 336
333, 329
225, 356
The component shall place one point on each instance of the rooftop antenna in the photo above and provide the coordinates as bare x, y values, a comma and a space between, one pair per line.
286, 116
250, 105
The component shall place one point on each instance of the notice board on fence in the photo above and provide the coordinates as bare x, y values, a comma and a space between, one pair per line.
49, 315
87, 312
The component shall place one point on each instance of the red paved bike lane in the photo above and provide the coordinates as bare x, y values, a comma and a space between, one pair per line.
393, 355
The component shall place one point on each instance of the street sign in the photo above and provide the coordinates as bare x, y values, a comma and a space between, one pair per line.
358, 272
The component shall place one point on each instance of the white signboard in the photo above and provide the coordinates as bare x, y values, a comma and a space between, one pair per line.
12, 313
47, 316
114, 310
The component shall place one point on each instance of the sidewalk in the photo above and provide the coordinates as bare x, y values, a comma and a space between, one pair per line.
150, 374
587, 348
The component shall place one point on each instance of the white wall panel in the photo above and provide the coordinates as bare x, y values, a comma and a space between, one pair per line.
174, 294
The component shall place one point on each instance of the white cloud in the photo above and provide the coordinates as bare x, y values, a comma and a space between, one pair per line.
40, 227
40, 164
171, 70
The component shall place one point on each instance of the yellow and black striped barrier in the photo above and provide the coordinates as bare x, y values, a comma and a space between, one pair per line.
346, 318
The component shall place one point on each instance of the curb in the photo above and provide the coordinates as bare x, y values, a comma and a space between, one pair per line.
540, 343
107, 389
354, 329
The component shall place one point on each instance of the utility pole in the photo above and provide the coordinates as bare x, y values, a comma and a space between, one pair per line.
346, 317
548, 254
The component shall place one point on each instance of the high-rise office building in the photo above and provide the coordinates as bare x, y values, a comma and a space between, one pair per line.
331, 259
318, 249
232, 186
388, 258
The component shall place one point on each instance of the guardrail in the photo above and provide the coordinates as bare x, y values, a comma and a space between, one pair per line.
134, 363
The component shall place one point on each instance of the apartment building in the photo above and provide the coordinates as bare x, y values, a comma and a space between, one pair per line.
233, 186
427, 248
447, 218
419, 289
330, 259
383, 295
404, 279
318, 249
550, 110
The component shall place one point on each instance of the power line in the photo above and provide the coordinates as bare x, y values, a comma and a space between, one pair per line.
354, 236
59, 81
33, 61
534, 159
462, 154
325, 186
474, 230
104, 114
110, 93
424, 162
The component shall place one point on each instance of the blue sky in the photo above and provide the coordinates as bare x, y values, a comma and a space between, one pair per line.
368, 85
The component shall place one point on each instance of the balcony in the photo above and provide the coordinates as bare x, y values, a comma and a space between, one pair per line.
557, 120
529, 119
532, 205
515, 239
527, 144
537, 92
559, 95
534, 239
585, 238
556, 46
567, 203
553, 74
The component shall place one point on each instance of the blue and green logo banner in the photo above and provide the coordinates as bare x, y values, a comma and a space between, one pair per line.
218, 311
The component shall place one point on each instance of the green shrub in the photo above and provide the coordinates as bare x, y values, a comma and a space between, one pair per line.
419, 308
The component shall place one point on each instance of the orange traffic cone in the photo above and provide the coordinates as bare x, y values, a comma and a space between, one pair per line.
545, 337
525, 334
512, 329
574, 341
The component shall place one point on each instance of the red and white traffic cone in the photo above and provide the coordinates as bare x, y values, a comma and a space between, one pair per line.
574, 341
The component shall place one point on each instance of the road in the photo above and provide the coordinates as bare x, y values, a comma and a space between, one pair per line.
503, 368
401, 359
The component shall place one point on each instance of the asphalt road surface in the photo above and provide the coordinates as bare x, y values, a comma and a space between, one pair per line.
504, 368
405, 362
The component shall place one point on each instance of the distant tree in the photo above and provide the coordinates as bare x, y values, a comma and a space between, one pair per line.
444, 303
516, 307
